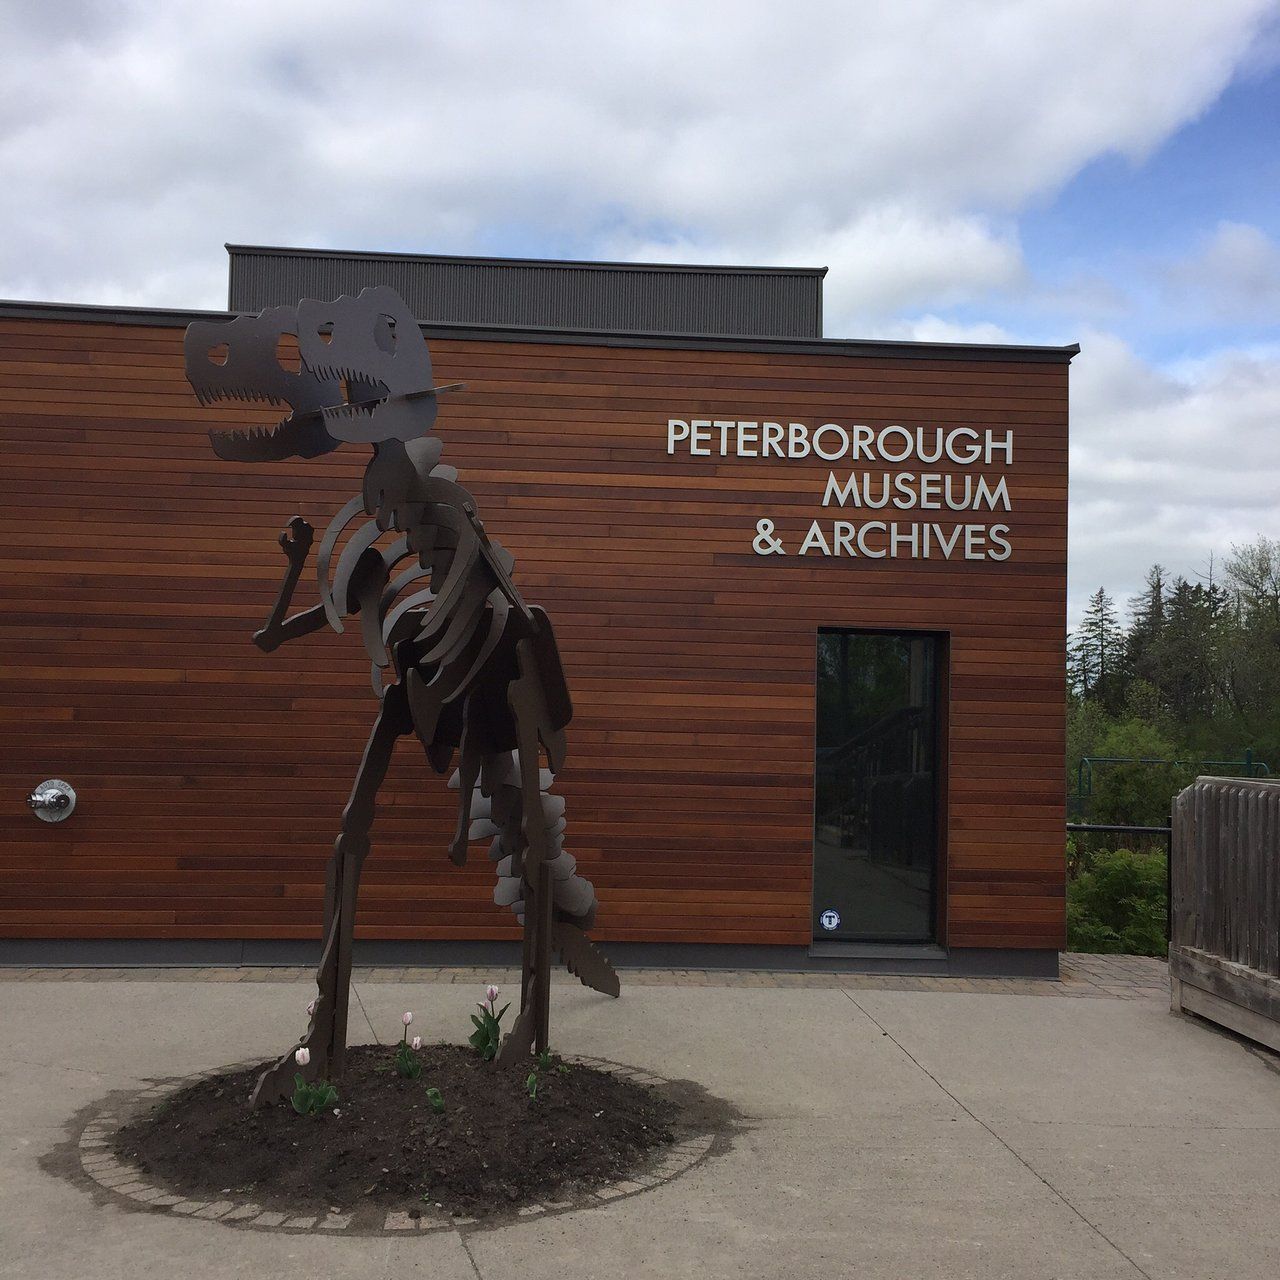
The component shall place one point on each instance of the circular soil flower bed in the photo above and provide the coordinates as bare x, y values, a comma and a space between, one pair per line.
491, 1150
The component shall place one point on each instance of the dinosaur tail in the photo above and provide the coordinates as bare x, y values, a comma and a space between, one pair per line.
496, 815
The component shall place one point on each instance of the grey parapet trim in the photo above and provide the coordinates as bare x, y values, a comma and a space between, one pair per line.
92, 312
866, 348
145, 953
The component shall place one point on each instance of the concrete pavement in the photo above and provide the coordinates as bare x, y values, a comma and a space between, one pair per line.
931, 1131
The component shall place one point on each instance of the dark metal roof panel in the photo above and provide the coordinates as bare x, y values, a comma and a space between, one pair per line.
601, 297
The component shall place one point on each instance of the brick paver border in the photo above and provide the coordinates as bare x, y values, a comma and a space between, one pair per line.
125, 1182
1093, 976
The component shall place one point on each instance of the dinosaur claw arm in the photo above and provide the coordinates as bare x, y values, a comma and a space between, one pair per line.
295, 541
301, 624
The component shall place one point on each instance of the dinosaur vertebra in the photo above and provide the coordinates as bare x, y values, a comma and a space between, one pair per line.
457, 656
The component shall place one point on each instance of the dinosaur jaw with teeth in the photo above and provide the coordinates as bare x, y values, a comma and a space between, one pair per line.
290, 438
366, 393
302, 434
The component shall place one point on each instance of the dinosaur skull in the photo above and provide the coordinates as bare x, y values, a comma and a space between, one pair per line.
356, 361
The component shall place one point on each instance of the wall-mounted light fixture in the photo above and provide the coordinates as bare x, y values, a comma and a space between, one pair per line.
53, 800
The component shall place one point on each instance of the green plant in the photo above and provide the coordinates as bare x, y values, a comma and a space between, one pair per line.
532, 1085
436, 1098
1118, 904
488, 1033
1132, 792
310, 1098
545, 1063
408, 1064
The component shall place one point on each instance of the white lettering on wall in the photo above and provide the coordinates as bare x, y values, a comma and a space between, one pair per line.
832, 441
881, 481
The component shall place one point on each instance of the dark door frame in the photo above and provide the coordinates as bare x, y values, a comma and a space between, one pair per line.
942, 765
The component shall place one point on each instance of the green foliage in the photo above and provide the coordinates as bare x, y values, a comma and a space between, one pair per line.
1143, 701
1117, 904
408, 1064
531, 1084
1194, 677
544, 1060
1087, 722
487, 1035
1136, 793
1096, 653
436, 1099
308, 1099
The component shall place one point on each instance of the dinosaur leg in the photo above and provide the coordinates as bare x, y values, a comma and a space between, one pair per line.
326, 1035
528, 705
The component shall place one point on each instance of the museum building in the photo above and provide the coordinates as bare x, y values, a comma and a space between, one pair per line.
810, 595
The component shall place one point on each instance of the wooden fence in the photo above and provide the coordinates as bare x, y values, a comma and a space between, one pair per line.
1224, 950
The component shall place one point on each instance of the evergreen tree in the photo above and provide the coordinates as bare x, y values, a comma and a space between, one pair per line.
1193, 678
1184, 659
1147, 612
1096, 653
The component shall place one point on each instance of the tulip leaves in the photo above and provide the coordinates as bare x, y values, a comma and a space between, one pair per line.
308, 1099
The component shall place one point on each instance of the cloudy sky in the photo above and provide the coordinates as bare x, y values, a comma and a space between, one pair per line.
1033, 172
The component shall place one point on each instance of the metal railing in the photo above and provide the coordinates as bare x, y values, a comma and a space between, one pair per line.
1246, 766
1121, 829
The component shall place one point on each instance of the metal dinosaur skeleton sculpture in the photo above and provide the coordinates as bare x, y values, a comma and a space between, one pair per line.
457, 656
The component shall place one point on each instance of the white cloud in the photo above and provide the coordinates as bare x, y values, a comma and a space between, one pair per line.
931, 328
894, 143
887, 257
1168, 465
1235, 275
893, 256
892, 140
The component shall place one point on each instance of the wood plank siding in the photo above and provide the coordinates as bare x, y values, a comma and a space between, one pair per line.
134, 566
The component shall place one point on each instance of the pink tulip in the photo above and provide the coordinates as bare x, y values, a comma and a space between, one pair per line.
311, 1009
302, 1057
407, 1019
417, 1043
491, 994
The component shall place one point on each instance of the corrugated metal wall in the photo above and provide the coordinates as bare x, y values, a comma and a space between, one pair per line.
600, 297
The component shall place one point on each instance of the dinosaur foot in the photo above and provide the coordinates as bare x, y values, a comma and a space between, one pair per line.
277, 1082
518, 1044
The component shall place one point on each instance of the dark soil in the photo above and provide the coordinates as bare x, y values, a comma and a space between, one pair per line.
492, 1150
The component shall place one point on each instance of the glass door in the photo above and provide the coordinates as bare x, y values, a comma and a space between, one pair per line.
875, 790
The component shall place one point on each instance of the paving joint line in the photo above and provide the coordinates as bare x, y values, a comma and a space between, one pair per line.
355, 991
466, 1248
1035, 1173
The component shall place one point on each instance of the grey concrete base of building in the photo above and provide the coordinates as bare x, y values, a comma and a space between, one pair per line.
957, 962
